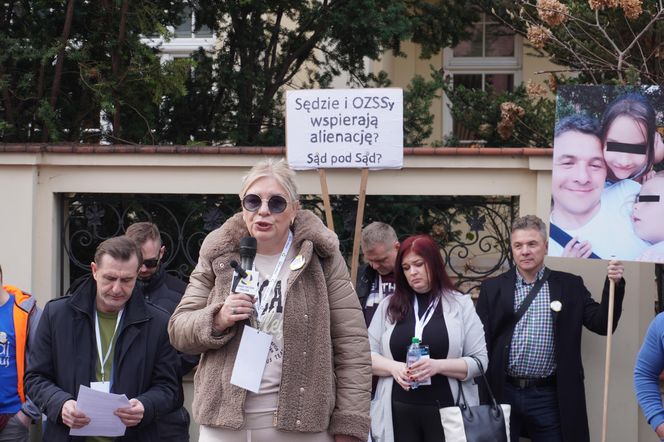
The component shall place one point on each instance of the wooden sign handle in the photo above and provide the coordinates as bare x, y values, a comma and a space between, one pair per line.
358, 225
607, 360
326, 199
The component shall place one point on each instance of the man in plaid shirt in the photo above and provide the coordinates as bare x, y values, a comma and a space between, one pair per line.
535, 364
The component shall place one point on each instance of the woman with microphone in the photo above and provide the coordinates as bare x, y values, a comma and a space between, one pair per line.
316, 383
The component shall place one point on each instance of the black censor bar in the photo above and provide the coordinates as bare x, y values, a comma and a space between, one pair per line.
648, 199
612, 146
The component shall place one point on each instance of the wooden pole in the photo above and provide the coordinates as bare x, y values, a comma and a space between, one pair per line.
358, 225
326, 199
607, 361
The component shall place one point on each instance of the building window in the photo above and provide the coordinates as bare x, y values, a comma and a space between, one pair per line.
187, 29
490, 58
488, 39
186, 39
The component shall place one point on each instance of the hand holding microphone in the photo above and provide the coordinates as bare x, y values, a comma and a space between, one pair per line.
238, 306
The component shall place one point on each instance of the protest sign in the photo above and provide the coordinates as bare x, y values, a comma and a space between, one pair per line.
608, 198
344, 128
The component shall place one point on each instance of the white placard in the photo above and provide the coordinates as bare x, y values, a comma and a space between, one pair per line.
251, 359
345, 128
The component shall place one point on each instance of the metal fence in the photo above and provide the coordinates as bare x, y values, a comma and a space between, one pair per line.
473, 231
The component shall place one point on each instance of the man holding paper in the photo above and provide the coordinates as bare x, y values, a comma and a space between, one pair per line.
104, 338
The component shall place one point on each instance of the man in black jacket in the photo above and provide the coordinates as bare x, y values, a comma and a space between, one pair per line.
375, 278
103, 337
164, 290
154, 283
535, 361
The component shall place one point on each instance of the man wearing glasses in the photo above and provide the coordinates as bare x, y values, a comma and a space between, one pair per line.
164, 290
157, 286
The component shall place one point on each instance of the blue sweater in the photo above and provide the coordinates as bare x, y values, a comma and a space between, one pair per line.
649, 365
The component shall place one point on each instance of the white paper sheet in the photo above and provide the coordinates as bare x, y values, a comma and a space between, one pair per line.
251, 358
99, 407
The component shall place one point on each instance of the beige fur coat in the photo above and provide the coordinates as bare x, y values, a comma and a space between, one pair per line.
326, 379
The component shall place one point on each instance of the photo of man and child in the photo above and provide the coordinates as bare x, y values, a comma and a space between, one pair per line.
607, 193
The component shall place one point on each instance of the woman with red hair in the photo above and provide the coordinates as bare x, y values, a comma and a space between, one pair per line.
425, 305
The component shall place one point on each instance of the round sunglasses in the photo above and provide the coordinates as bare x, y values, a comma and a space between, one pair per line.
276, 204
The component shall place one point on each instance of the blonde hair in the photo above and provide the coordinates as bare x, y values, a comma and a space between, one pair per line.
277, 169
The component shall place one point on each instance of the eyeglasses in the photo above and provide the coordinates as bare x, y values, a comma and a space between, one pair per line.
151, 263
276, 203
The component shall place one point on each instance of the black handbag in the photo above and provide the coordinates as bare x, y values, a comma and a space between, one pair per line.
480, 423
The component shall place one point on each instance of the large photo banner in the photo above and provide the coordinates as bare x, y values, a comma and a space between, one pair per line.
344, 128
607, 193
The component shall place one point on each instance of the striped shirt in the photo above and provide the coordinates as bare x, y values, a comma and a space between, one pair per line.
532, 351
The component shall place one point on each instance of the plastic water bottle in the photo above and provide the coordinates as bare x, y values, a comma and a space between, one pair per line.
413, 355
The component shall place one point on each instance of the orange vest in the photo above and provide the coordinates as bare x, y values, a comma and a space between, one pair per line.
21, 331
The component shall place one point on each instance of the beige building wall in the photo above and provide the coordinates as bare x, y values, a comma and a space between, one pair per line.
535, 66
401, 70
30, 184
18, 181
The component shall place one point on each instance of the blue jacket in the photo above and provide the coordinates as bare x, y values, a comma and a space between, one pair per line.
64, 357
649, 365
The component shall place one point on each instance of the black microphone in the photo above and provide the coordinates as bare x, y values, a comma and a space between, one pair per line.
247, 255
247, 252
238, 269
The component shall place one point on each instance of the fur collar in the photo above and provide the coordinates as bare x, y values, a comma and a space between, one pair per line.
307, 227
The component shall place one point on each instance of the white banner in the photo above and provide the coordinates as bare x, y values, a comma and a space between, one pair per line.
344, 128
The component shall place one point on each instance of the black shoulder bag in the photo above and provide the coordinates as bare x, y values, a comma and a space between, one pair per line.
479, 423
484, 423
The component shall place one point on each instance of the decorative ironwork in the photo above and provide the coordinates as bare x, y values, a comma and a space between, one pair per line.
473, 231
183, 220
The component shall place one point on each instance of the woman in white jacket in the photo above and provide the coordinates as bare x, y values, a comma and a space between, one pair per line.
424, 305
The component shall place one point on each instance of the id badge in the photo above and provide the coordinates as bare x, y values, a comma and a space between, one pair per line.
104, 387
424, 352
251, 358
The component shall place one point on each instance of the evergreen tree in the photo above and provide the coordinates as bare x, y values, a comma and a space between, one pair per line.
81, 71
66, 64
265, 46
